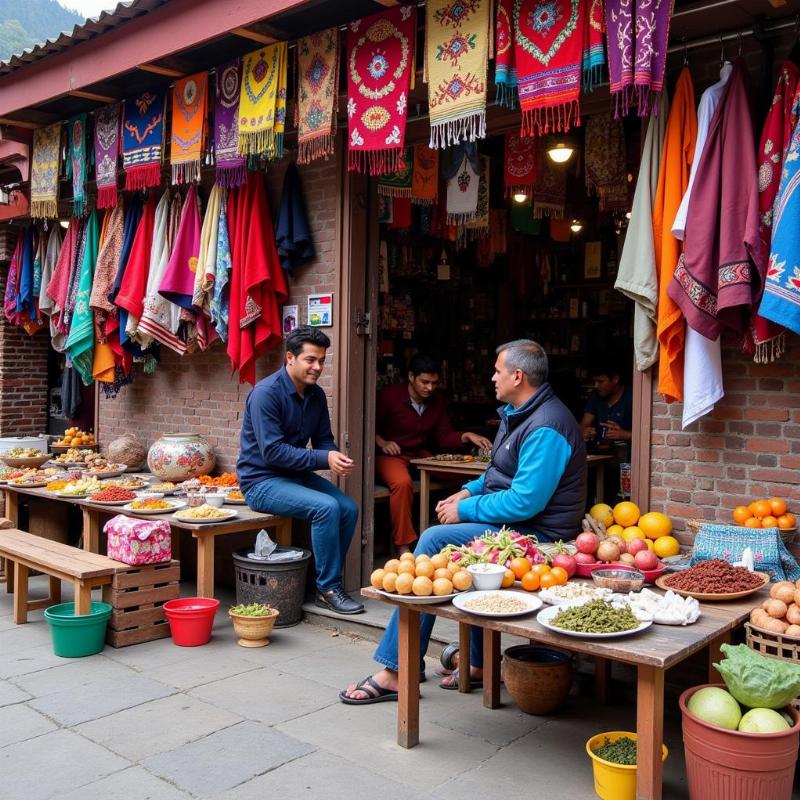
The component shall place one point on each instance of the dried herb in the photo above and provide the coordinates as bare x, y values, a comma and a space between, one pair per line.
623, 751
596, 617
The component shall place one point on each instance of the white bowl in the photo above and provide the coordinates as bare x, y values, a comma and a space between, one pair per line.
215, 500
144, 495
486, 577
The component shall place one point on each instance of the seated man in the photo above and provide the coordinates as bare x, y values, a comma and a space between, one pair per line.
411, 421
276, 469
536, 481
610, 406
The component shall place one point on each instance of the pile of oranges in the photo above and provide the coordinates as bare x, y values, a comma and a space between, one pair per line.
75, 437
770, 513
628, 522
421, 576
534, 576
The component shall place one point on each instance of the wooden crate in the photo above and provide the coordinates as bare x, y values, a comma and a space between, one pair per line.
137, 596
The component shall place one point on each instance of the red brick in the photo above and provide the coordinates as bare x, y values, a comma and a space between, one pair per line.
777, 414
767, 445
790, 462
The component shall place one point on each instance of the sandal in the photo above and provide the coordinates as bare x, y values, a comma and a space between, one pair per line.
446, 659
475, 683
376, 693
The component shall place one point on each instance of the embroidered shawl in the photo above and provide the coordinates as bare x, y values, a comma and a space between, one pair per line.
519, 164
398, 183
505, 69
207, 254
76, 162
456, 63
12, 283
27, 311
106, 153
143, 139
51, 256
56, 289
44, 171
425, 176
462, 174
189, 119
231, 168
220, 299
292, 230
317, 94
594, 54
380, 68
605, 167
550, 189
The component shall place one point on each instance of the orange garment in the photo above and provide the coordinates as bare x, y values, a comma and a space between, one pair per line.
673, 178
103, 363
393, 472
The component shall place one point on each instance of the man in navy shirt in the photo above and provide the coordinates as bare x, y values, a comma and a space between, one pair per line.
284, 414
610, 406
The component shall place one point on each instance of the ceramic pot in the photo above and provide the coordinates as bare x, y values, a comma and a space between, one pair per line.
253, 631
179, 456
538, 678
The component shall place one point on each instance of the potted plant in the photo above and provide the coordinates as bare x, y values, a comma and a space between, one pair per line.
253, 623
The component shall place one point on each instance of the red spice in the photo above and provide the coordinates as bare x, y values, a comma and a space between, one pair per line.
714, 577
113, 493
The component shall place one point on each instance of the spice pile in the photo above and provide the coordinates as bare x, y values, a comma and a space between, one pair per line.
623, 751
596, 616
226, 479
714, 577
150, 505
497, 603
114, 494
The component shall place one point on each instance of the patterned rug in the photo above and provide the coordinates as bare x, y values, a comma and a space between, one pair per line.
76, 162
189, 120
143, 140
106, 153
231, 168
44, 171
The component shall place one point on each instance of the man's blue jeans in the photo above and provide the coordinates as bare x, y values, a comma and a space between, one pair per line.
332, 514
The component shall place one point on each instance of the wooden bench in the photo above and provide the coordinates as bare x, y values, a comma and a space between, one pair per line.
60, 562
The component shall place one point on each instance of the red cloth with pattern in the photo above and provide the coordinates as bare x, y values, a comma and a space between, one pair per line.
519, 164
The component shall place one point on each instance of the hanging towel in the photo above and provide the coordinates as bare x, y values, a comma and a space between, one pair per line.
398, 183
292, 231
505, 69
425, 176
262, 71
519, 164
77, 167
44, 172
106, 153
231, 169
143, 139
605, 165
189, 119
462, 173
594, 54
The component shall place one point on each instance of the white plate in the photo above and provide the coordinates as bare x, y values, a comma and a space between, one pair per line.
419, 601
109, 502
229, 514
533, 603
106, 473
547, 614
71, 495
173, 506
555, 600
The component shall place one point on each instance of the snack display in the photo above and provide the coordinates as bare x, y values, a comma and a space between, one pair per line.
235, 496
435, 577
57, 485
82, 487
74, 455
714, 576
204, 513
573, 593
226, 479
596, 616
22, 452
127, 483
499, 604
75, 437
163, 486
152, 504
780, 613
113, 494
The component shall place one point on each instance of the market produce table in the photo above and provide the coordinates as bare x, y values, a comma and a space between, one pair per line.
472, 469
652, 651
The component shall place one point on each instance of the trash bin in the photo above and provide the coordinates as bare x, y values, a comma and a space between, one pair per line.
280, 584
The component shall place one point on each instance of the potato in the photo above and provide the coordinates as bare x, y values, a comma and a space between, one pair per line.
776, 626
759, 617
793, 630
797, 596
776, 609
783, 590
793, 614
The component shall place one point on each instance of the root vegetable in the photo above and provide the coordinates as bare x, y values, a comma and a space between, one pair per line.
793, 614
797, 596
607, 551
793, 630
759, 617
776, 626
776, 609
783, 590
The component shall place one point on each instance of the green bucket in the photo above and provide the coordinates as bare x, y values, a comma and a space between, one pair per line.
75, 637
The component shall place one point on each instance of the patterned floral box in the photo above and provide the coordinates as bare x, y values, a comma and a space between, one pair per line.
138, 541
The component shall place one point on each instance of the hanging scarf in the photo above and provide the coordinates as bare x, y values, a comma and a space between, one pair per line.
766, 340
38, 262
425, 176
106, 153
292, 231
51, 256
380, 68
606, 168
207, 254
231, 168
27, 307
143, 139
478, 226
262, 73
189, 118
462, 173
594, 54
550, 189
317, 94
80, 342
398, 183
548, 42
76, 162
56, 290
220, 299
74, 281
44, 172
505, 70
519, 164
456, 62
106, 267
12, 283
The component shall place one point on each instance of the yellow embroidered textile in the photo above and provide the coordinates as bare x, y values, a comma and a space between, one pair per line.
44, 171
262, 102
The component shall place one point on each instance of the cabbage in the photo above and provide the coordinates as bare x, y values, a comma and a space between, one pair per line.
758, 681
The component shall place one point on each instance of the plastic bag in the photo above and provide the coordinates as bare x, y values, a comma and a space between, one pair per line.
267, 550
757, 681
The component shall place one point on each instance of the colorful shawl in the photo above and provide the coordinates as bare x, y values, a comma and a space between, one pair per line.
605, 166
143, 139
44, 172
317, 94
478, 226
594, 54
398, 183
519, 164
425, 176
462, 174
27, 308
207, 254
56, 290
766, 340
456, 62
12, 283
106, 267
189, 119
548, 42
106, 153
718, 277
231, 169
51, 256
505, 70
380, 68
220, 299
76, 162
292, 231
550, 189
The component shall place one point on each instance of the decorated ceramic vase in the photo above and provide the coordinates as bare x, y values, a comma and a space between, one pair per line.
179, 456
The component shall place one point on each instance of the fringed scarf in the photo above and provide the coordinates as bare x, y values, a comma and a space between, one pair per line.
51, 256
106, 268
44, 172
425, 176
478, 226
106, 153
57, 288
189, 119
220, 299
550, 189
143, 140
398, 183
462, 173
456, 62
292, 230
205, 273
231, 168
505, 69
317, 94
594, 54
548, 41
519, 164
380, 69
77, 167
606, 168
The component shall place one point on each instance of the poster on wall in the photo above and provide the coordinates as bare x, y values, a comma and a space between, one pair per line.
592, 258
289, 315
320, 310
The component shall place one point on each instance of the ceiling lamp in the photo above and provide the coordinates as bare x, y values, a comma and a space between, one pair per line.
520, 197
576, 226
560, 153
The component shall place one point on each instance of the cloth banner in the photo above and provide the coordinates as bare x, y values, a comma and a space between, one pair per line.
594, 53
463, 178
77, 167
398, 183
189, 120
425, 176
606, 167
231, 168
519, 164
106, 153
505, 67
44, 171
143, 140
550, 189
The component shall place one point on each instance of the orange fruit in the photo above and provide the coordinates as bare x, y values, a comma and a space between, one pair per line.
540, 569
530, 581
439, 561
443, 572
741, 514
778, 506
752, 522
634, 532
404, 583
462, 580
547, 580
769, 522
615, 530
761, 509
626, 513
508, 579
391, 566
786, 521
602, 513
666, 546
560, 574
655, 524
519, 566
422, 586
389, 581
407, 567
442, 587
376, 579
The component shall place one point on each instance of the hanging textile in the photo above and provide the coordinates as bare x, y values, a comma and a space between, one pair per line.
594, 53
106, 267
380, 69
189, 119
519, 164
548, 50
103, 355
673, 178
606, 168
74, 281
398, 183
263, 80
231, 168
220, 298
478, 226
317, 94
207, 254
550, 189
106, 153
462, 173
56, 290
292, 230
456, 63
44, 172
766, 340
28, 317
143, 139
257, 280
71, 398
505, 70
76, 162
51, 256
425, 176
12, 283
38, 262
8, 242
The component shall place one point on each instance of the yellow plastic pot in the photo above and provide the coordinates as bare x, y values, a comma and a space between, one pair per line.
614, 781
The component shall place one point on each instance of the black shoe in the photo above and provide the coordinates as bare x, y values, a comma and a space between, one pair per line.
339, 601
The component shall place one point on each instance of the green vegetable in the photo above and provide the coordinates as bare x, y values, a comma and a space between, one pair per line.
596, 617
252, 610
758, 681
623, 751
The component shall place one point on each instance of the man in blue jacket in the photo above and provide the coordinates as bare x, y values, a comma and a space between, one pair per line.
284, 414
536, 482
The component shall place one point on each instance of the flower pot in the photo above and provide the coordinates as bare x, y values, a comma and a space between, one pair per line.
179, 456
733, 765
538, 678
191, 619
253, 631
614, 781
78, 636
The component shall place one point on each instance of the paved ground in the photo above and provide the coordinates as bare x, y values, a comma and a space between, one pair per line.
160, 722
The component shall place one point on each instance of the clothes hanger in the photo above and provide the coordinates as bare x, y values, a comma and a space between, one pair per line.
721, 51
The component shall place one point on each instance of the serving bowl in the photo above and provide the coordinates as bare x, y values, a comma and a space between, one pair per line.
486, 577
619, 580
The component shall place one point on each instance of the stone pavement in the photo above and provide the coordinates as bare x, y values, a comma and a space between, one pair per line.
160, 722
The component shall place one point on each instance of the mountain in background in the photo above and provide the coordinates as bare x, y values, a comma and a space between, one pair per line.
23, 23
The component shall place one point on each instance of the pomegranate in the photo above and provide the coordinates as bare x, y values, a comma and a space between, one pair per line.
587, 543
645, 559
635, 546
566, 561
607, 551
585, 558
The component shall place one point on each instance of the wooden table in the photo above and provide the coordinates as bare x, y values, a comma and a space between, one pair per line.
472, 469
652, 651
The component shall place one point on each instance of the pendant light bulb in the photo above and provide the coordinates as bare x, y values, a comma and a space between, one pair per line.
576, 226
560, 153
520, 197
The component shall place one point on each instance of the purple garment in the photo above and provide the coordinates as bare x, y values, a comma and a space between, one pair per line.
231, 167
106, 153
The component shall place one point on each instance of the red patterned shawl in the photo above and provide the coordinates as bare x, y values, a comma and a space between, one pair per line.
519, 172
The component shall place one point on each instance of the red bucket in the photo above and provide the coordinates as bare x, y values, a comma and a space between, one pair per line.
191, 619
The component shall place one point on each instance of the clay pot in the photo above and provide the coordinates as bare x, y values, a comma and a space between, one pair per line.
537, 678
179, 456
253, 631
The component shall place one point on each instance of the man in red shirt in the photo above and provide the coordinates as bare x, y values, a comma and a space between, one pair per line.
412, 422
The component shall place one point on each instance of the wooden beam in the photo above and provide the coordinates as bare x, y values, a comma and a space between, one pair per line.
253, 36
100, 98
158, 70
19, 123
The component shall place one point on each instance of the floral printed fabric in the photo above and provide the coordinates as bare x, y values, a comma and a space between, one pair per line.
106, 153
